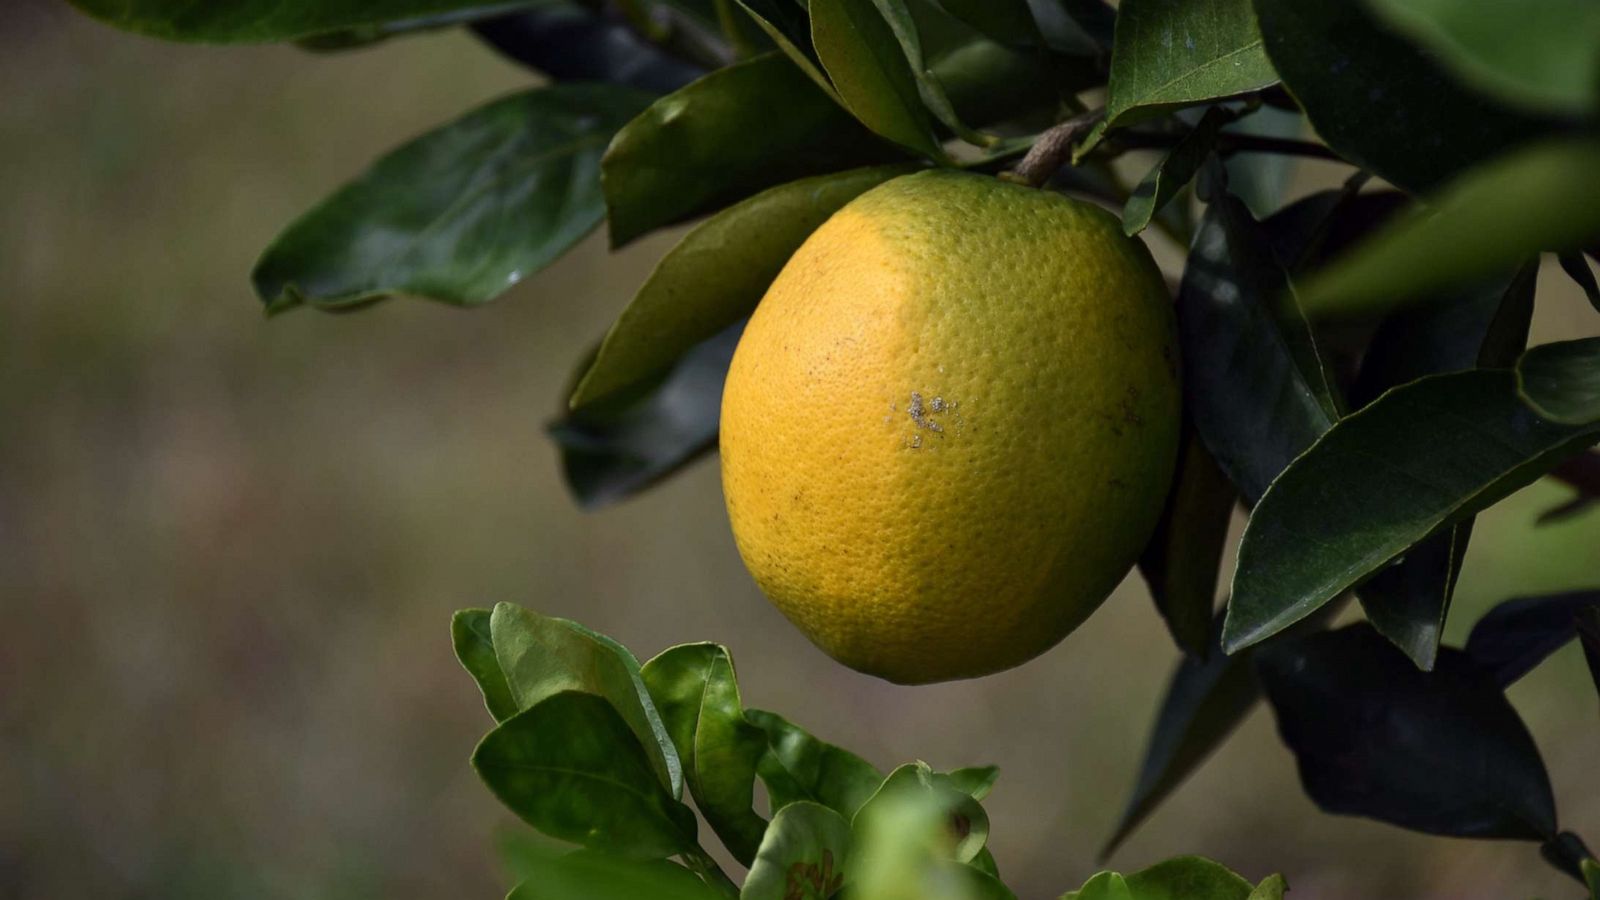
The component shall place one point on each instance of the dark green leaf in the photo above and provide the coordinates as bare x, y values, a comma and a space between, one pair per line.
469, 631
1273, 887
806, 853
572, 42
367, 34
718, 141
1420, 459
1562, 380
542, 656
868, 68
1379, 101
1262, 180
1169, 176
1581, 472
715, 276
1367, 728
1174, 53
798, 767
788, 24
1517, 635
695, 690
1187, 878
459, 214
1181, 562
572, 768
966, 820
903, 25
1007, 21
590, 875
611, 450
1309, 232
260, 21
1077, 27
1544, 197
1545, 55
1576, 265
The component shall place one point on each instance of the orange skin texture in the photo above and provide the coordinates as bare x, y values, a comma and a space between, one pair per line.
951, 424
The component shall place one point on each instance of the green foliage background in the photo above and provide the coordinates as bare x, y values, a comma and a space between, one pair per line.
228, 549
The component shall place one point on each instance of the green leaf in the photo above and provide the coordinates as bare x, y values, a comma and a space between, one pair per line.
1576, 265
569, 41
369, 33
1188, 878
715, 276
718, 141
1174, 53
788, 24
1543, 197
1377, 100
589, 875
903, 852
459, 214
868, 68
1561, 381
696, 691
1102, 886
469, 631
804, 856
260, 21
1515, 636
1262, 180
903, 24
1007, 21
1591, 868
1181, 562
572, 768
615, 448
1175, 170
798, 767
1544, 55
966, 821
542, 656
1367, 728
974, 781
1273, 887
1421, 458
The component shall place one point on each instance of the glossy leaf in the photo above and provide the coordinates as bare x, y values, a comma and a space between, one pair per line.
1379, 101
1174, 53
1561, 381
967, 822
1367, 728
1422, 458
715, 276
1545, 54
797, 766
1517, 635
1007, 21
1576, 265
868, 68
570, 42
806, 853
613, 449
1173, 172
459, 214
542, 656
588, 875
1544, 197
474, 645
571, 767
261, 21
697, 694
1181, 561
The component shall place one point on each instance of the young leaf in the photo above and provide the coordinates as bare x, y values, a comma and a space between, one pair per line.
1561, 381
1576, 265
572, 768
695, 689
1175, 170
1273, 887
1174, 53
542, 656
469, 631
571, 42
1188, 878
1181, 562
966, 820
1544, 55
613, 449
799, 767
806, 853
1379, 101
1421, 458
1543, 197
868, 68
259, 21
459, 214
1367, 728
1517, 635
1102, 886
589, 875
714, 277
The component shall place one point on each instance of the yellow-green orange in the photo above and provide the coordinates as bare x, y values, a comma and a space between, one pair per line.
950, 425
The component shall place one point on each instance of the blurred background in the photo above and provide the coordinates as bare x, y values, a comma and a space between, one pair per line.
229, 548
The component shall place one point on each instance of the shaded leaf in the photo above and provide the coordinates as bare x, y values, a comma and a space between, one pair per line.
469, 632
1379, 101
612, 450
1544, 197
715, 276
1181, 561
1173, 172
1007, 21
367, 34
1517, 635
967, 824
697, 694
572, 768
1262, 180
787, 23
459, 214
1421, 458
542, 656
798, 767
1576, 265
1581, 472
868, 68
1561, 381
570, 42
1545, 55
590, 875
1079, 27
1366, 727
806, 853
261, 21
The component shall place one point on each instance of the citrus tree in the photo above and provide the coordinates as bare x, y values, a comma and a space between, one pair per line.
933, 213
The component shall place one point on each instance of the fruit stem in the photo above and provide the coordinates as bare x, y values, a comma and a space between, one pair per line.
1053, 149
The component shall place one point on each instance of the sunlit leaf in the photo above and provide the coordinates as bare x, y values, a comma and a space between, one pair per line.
474, 645
806, 853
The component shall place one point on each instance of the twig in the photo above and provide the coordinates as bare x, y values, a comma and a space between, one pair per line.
1053, 149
